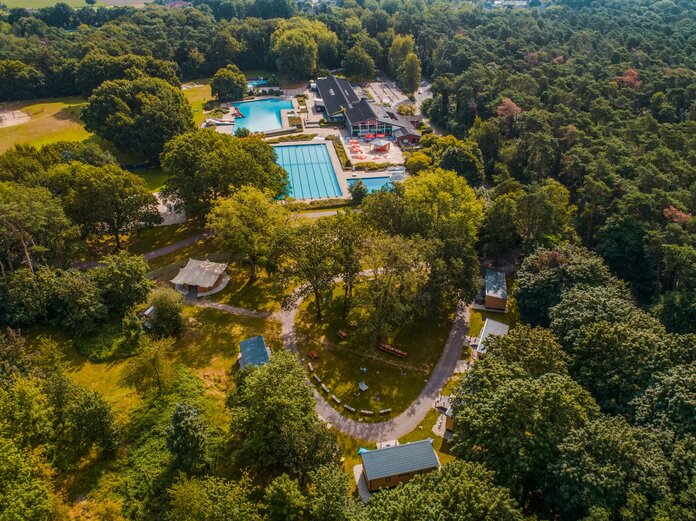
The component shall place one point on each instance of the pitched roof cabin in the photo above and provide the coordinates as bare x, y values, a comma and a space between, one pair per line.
496, 290
202, 277
384, 468
253, 352
342, 104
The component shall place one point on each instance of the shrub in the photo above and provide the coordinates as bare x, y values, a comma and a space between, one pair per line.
167, 318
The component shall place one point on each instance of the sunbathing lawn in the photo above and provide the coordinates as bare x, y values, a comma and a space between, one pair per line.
393, 382
50, 120
197, 96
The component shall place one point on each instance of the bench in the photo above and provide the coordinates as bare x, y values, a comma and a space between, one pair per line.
393, 350
310, 366
366, 413
385, 411
326, 389
349, 408
316, 377
335, 398
341, 334
314, 355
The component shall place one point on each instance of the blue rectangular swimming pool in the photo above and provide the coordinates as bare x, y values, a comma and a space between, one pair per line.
311, 173
261, 115
373, 184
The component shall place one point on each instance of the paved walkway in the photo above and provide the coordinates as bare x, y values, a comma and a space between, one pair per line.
243, 312
160, 252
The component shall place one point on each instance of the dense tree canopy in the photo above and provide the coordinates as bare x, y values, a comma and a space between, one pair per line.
138, 116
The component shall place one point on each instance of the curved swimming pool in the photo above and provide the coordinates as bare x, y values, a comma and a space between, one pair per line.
311, 173
261, 115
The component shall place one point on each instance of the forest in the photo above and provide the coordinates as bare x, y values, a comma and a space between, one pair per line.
563, 143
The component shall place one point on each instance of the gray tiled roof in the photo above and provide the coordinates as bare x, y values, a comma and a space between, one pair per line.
392, 461
495, 284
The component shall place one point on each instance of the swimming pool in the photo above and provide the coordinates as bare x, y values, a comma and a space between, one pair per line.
373, 184
261, 115
311, 173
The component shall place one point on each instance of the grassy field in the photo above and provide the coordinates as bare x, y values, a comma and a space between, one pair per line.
393, 383
197, 96
50, 120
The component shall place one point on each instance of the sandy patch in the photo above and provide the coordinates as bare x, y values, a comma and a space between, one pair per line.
12, 118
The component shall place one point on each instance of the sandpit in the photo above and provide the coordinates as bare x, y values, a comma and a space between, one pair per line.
10, 118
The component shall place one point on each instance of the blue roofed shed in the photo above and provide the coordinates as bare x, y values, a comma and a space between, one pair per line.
390, 466
253, 351
496, 290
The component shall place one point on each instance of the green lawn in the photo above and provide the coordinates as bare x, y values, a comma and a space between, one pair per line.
262, 295
154, 177
50, 120
209, 347
159, 236
393, 383
197, 97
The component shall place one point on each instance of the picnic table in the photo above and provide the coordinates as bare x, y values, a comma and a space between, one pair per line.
342, 334
393, 350
314, 355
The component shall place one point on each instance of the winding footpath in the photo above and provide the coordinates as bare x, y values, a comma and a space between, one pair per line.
392, 429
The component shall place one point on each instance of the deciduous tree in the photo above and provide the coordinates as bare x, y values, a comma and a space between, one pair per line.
229, 83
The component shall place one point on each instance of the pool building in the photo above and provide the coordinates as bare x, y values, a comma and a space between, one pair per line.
362, 117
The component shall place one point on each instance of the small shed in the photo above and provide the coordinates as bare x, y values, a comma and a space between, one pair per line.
390, 466
253, 351
496, 290
490, 328
201, 276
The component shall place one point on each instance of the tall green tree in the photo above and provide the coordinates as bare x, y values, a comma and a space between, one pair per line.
138, 116
122, 280
359, 65
212, 499
410, 73
104, 199
229, 83
461, 490
188, 439
284, 500
203, 165
247, 223
546, 274
274, 424
32, 224
400, 48
296, 53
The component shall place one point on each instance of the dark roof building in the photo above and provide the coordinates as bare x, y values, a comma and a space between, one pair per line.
390, 466
253, 351
341, 103
496, 290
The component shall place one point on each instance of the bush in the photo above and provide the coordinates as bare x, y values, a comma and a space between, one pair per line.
167, 317
340, 151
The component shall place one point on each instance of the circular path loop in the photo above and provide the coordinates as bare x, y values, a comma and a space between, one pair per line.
408, 420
